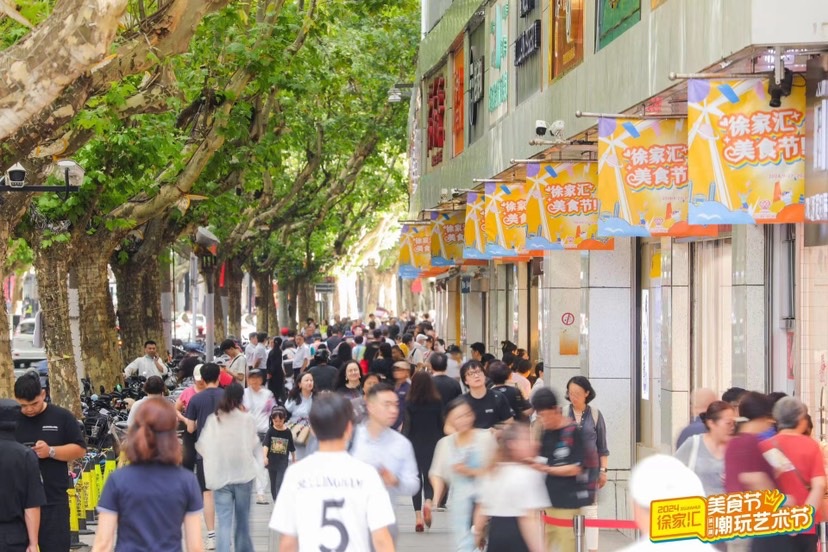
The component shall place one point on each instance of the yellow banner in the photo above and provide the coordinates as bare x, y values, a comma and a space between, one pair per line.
474, 230
447, 238
505, 219
746, 159
561, 208
642, 178
415, 250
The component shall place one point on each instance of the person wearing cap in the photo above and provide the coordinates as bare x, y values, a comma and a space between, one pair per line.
279, 449
259, 401
225, 377
55, 436
154, 388
418, 350
23, 494
661, 477
563, 450
237, 366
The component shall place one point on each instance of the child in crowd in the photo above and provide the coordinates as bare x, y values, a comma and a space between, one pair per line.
278, 444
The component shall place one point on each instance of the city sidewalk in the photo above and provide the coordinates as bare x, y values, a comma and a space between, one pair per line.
438, 539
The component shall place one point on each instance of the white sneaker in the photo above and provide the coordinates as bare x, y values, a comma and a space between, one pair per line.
260, 499
211, 543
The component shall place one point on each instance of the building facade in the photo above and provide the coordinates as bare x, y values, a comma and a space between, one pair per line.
654, 318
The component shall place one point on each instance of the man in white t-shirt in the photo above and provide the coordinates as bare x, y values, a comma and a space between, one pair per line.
261, 351
259, 401
330, 500
302, 356
250, 350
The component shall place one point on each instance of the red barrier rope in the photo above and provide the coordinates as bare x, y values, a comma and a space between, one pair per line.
599, 523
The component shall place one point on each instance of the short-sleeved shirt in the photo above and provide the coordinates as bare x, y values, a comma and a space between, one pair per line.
202, 405
55, 426
743, 455
709, 468
329, 509
24, 489
512, 490
806, 456
490, 410
279, 443
449, 388
564, 447
151, 501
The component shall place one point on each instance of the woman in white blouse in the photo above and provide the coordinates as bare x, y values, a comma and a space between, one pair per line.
511, 495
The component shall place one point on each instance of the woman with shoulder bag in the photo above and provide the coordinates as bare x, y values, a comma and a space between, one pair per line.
298, 405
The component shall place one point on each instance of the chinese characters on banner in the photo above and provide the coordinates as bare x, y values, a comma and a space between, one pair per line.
474, 230
561, 208
746, 160
415, 250
458, 105
505, 219
643, 178
447, 238
436, 106
566, 47
727, 516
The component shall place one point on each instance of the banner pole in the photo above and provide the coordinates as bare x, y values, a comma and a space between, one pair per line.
579, 527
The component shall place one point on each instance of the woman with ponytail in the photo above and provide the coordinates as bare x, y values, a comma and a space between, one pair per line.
148, 501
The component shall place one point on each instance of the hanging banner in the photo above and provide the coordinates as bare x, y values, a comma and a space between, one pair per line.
505, 219
415, 250
561, 207
642, 179
746, 160
474, 230
447, 238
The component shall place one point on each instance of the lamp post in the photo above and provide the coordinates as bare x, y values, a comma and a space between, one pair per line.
206, 249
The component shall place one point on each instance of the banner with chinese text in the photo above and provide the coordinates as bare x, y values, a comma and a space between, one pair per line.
642, 179
561, 208
474, 230
746, 160
505, 219
447, 238
415, 250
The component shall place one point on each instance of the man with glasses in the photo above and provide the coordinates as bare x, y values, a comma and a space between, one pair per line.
490, 407
55, 437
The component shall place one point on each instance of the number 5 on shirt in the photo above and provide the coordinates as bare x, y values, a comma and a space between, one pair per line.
336, 524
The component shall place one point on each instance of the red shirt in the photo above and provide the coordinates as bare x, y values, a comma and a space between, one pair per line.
743, 455
225, 378
806, 456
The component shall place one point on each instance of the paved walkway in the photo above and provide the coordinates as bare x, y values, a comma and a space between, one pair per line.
438, 539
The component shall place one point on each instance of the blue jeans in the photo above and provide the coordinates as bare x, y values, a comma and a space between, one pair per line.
233, 499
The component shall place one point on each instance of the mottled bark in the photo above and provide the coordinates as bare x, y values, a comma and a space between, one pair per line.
139, 306
99, 340
306, 298
51, 266
371, 284
15, 209
218, 310
264, 300
37, 69
234, 277
292, 308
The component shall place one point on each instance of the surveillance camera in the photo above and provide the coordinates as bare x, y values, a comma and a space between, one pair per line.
16, 176
556, 129
777, 91
540, 127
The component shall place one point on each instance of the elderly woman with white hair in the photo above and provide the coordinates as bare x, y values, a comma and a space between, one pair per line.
797, 463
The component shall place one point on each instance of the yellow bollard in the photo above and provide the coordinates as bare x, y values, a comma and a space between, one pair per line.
91, 494
99, 483
109, 468
74, 526
80, 506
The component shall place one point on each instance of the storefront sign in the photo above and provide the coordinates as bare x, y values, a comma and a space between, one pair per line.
642, 178
447, 238
436, 101
566, 47
474, 230
528, 43
415, 250
458, 105
614, 18
561, 207
526, 6
499, 70
476, 69
505, 219
746, 159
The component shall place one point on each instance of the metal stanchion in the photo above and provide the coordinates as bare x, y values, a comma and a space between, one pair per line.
579, 527
823, 536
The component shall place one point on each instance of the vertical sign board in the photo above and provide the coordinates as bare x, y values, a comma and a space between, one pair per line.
528, 64
816, 146
645, 344
498, 60
459, 100
436, 117
476, 83
566, 47
614, 18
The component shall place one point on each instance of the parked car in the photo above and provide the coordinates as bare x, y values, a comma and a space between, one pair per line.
24, 353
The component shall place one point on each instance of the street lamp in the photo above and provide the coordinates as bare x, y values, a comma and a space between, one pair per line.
14, 179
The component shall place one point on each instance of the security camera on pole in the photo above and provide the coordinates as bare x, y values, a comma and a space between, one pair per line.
70, 173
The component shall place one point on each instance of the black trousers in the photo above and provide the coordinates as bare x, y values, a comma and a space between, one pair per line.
277, 475
54, 528
13, 536
423, 467
784, 543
